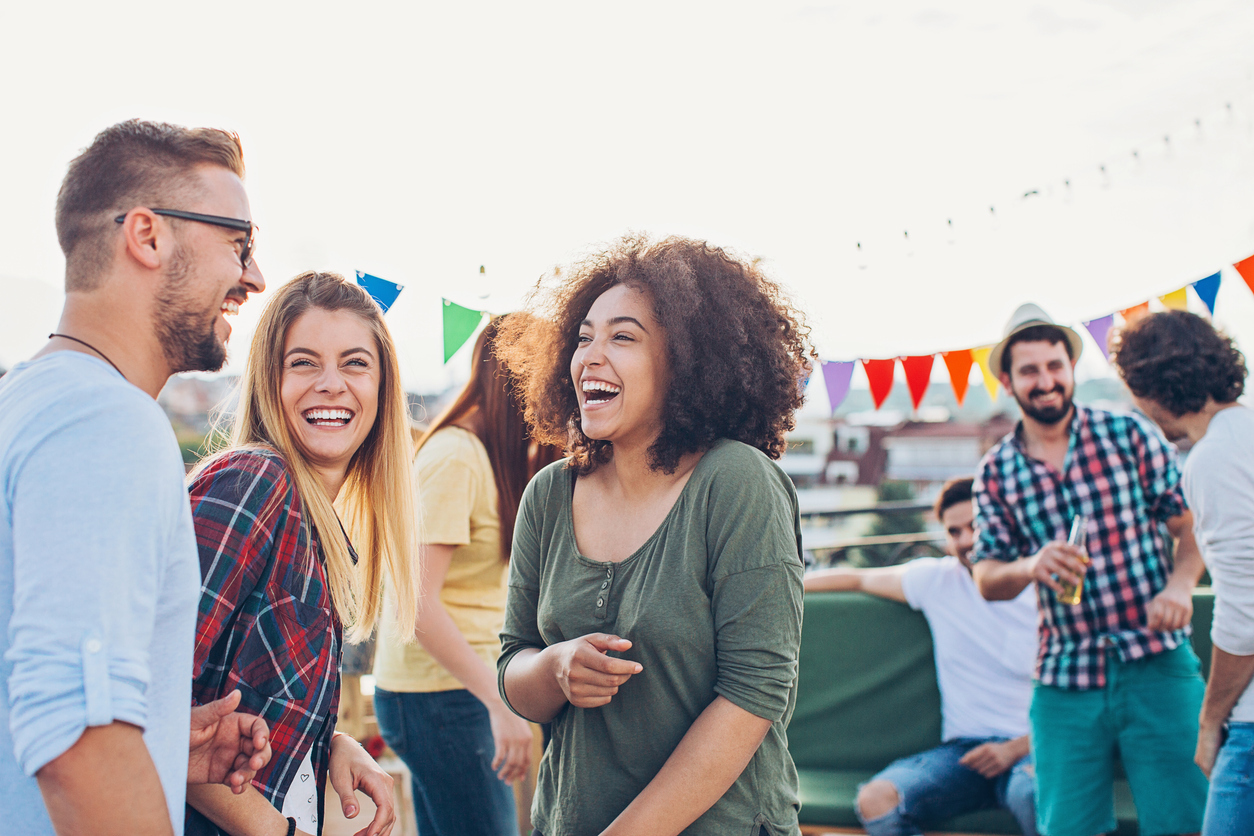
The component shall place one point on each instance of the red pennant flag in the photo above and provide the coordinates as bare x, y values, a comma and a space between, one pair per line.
959, 365
879, 373
1135, 312
1246, 269
918, 376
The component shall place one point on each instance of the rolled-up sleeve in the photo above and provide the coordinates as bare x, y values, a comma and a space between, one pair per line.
753, 537
87, 549
995, 529
757, 622
1159, 470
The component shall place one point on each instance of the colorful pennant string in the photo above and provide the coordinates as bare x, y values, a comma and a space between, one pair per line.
382, 291
1207, 289
918, 376
1176, 300
959, 365
980, 356
837, 376
459, 325
879, 374
1100, 330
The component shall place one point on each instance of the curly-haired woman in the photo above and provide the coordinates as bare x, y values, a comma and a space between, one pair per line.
654, 613
321, 430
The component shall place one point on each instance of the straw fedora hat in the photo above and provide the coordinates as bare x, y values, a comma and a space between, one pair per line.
1027, 316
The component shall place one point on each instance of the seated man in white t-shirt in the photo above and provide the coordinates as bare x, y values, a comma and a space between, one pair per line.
985, 656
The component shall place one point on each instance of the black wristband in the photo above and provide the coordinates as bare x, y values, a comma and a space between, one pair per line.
291, 826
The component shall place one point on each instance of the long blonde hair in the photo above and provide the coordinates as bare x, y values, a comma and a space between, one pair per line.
377, 500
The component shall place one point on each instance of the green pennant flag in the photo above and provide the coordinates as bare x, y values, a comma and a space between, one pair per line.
459, 324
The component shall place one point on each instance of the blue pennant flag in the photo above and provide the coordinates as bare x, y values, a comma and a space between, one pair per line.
1207, 289
381, 291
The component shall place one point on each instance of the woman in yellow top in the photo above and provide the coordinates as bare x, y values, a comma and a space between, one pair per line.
437, 701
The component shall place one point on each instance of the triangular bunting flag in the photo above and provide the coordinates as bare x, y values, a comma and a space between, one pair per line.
1135, 312
1207, 289
879, 373
1176, 300
918, 376
1100, 329
980, 355
381, 291
836, 376
1246, 269
459, 324
959, 365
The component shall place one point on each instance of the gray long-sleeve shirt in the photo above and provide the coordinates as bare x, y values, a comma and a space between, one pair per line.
1219, 485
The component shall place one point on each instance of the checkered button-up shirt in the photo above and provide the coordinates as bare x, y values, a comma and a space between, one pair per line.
266, 623
1121, 474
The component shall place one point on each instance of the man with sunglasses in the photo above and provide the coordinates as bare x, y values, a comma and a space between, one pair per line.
99, 574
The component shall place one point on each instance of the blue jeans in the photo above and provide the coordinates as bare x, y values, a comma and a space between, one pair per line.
1230, 804
933, 786
445, 738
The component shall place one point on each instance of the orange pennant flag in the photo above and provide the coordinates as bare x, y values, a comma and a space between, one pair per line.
959, 365
879, 373
1246, 269
980, 355
1135, 312
1176, 300
918, 376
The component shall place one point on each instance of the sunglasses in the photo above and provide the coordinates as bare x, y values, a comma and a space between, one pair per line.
250, 241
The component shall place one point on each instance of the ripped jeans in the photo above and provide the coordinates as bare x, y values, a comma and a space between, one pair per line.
933, 786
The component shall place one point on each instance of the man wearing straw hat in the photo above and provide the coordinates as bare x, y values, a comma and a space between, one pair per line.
1115, 670
1187, 377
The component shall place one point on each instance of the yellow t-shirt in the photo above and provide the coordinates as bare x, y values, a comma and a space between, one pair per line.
458, 500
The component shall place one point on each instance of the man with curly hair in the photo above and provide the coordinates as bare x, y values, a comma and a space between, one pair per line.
1115, 670
1187, 377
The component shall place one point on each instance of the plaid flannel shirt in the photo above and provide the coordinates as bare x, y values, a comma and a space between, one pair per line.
1123, 475
266, 623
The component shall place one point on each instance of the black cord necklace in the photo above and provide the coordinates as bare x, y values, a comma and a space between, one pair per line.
93, 348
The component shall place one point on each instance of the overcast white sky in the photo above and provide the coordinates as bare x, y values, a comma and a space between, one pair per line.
418, 141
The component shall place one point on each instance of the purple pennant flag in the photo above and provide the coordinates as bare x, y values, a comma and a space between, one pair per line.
837, 375
1100, 329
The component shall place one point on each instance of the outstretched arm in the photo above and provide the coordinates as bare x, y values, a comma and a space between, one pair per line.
883, 582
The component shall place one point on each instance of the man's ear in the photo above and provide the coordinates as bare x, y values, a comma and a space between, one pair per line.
1005, 381
140, 231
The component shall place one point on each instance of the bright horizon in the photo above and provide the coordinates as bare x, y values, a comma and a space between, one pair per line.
419, 142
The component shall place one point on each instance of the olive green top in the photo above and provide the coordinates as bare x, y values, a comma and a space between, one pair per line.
712, 605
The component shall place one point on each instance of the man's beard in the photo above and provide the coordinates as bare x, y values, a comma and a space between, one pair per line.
1048, 415
188, 336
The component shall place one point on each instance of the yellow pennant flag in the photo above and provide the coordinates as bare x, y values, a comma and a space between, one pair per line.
990, 380
1176, 300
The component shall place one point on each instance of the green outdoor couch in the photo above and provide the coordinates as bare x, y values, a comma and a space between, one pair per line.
867, 695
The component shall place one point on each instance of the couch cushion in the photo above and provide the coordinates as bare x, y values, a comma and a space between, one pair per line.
866, 692
827, 798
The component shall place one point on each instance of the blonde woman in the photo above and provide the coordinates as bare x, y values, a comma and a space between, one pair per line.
320, 437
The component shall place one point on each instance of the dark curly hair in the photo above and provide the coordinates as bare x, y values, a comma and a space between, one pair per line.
738, 349
1178, 360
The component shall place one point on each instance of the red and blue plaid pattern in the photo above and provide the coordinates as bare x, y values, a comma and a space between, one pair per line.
266, 623
1123, 475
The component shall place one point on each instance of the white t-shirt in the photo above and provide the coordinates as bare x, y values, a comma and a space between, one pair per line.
985, 650
1219, 485
301, 800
